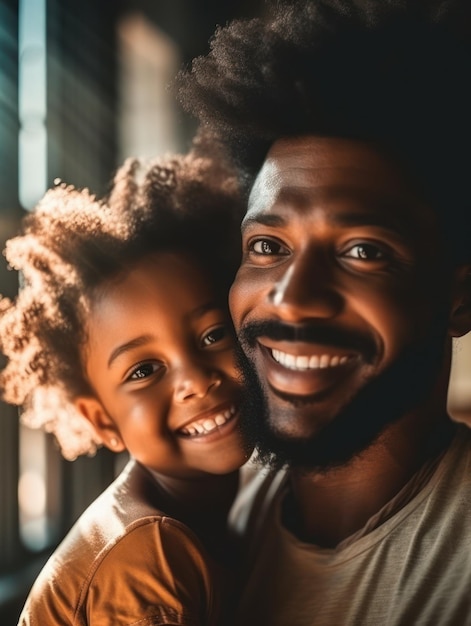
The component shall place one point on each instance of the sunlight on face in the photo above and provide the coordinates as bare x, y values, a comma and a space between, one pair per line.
160, 359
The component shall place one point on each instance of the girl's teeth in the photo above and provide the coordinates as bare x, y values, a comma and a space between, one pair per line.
209, 424
308, 363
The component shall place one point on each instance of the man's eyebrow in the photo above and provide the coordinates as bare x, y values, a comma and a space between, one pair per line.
389, 222
379, 219
382, 213
129, 345
265, 219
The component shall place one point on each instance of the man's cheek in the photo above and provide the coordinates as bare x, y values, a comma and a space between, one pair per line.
240, 301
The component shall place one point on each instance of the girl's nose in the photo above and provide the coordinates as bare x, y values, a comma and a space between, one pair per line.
196, 383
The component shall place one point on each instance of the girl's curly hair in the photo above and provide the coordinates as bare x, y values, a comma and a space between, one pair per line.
73, 242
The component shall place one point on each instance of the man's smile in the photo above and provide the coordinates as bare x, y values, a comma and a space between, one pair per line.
306, 362
304, 369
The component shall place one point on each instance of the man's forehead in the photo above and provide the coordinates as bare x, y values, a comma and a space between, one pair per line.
311, 171
297, 160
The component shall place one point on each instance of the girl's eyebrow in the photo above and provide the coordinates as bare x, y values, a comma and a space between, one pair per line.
129, 345
204, 308
142, 340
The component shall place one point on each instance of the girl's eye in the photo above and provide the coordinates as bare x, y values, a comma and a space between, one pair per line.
267, 247
144, 370
365, 252
214, 335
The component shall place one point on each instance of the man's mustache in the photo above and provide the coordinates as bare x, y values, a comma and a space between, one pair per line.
308, 333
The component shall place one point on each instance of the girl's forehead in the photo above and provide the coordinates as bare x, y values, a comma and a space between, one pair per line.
169, 283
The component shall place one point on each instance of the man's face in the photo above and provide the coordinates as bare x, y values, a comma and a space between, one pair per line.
339, 300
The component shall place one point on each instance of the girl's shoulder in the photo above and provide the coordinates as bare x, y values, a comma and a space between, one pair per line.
125, 560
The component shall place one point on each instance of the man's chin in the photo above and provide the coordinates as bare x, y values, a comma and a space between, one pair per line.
311, 447
313, 441
311, 417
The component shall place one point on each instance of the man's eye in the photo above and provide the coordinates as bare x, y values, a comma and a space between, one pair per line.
267, 247
144, 370
214, 335
365, 252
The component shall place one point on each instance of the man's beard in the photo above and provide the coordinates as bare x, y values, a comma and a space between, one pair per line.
382, 400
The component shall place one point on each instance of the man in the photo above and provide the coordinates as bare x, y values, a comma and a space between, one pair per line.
350, 123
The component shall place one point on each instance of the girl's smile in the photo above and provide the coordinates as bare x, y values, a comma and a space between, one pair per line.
160, 360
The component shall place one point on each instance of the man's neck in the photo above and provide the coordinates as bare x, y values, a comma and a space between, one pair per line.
326, 508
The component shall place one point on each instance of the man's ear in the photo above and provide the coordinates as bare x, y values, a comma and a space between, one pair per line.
460, 316
93, 411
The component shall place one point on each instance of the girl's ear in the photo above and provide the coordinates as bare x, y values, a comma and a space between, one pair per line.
460, 316
93, 411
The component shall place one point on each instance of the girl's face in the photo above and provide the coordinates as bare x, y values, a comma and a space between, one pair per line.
159, 357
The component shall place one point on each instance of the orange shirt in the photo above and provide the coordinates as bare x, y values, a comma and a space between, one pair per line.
125, 562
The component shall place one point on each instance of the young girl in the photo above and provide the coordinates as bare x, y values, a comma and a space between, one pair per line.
120, 337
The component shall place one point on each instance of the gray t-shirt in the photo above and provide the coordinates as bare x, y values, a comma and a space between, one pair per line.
414, 569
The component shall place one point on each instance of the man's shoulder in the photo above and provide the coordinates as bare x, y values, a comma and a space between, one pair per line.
457, 458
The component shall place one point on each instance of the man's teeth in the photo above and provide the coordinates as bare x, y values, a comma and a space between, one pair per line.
206, 425
313, 362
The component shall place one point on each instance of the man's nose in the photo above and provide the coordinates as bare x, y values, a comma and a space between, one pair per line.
306, 290
194, 380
